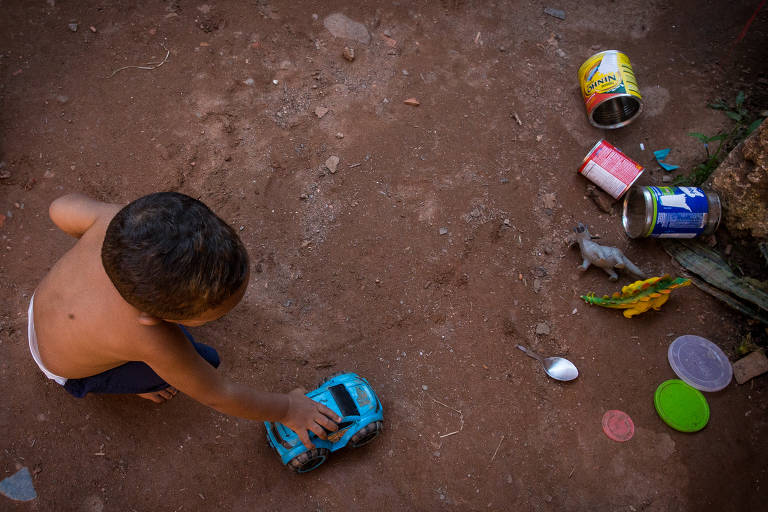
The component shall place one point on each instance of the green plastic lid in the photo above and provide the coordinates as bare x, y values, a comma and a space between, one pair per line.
681, 406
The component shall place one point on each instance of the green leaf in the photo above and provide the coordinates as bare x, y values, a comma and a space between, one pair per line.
718, 106
703, 138
752, 127
739, 99
719, 136
733, 115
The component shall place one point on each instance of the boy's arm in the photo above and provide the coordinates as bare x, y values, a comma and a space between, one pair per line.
75, 213
175, 360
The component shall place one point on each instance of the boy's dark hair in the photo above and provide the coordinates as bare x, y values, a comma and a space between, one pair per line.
170, 256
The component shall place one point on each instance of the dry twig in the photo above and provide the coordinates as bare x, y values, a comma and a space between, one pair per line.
149, 66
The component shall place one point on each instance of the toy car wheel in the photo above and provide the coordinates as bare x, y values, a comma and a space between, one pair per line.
366, 434
309, 460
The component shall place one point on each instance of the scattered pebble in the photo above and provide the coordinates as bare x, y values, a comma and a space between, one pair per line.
275, 82
72, 27
412, 102
92, 29
555, 13
667, 178
507, 222
539, 137
561, 53
348, 53
339, 135
549, 200
642, 147
542, 328
343, 27
320, 112
405, 72
332, 163
249, 81
443, 231
425, 387
62, 99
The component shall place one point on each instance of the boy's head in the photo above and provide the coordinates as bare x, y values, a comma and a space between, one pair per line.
171, 257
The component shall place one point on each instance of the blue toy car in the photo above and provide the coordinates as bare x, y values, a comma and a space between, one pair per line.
362, 420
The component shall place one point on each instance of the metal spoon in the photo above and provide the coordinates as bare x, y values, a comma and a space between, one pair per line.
556, 367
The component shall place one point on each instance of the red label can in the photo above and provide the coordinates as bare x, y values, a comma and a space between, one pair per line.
610, 169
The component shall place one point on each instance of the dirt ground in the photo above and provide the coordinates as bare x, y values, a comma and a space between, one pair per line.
351, 271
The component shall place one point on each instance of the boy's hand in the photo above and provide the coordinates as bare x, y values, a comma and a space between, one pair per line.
305, 414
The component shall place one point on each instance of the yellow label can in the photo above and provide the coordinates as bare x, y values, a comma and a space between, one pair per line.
610, 91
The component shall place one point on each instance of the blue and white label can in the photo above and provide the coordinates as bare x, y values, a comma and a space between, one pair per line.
670, 212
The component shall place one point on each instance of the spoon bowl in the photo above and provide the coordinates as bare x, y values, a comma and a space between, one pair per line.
558, 368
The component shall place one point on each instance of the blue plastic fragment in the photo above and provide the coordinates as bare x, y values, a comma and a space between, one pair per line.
19, 486
661, 155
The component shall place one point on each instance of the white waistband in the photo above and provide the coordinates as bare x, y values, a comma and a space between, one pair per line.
33, 346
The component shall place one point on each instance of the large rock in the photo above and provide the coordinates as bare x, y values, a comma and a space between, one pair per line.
742, 183
341, 26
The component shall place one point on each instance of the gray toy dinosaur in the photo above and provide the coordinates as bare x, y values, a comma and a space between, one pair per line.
607, 258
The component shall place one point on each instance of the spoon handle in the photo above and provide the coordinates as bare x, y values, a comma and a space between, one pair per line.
531, 353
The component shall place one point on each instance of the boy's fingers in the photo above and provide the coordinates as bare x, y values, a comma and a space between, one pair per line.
326, 423
319, 431
304, 437
329, 413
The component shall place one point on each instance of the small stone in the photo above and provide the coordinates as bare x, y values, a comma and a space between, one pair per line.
425, 387
556, 13
549, 200
542, 329
339, 135
332, 163
536, 285
72, 27
507, 222
348, 53
49, 174
539, 138
560, 53
412, 102
62, 99
504, 181
275, 82
750, 366
443, 231
320, 112
475, 213
249, 81
303, 196
602, 200
667, 178
92, 29
405, 72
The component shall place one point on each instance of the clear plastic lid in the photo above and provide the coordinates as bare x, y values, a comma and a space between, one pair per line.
700, 363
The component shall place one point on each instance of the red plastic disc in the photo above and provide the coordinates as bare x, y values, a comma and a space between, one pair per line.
618, 426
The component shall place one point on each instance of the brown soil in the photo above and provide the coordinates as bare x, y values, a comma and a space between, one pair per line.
350, 269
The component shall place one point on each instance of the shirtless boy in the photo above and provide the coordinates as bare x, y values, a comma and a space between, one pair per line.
109, 316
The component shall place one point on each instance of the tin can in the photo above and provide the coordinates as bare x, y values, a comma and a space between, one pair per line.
610, 90
670, 212
610, 169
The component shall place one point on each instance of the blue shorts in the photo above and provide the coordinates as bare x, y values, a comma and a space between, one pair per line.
133, 377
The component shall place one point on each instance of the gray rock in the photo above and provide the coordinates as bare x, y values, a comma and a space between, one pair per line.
332, 163
72, 27
341, 26
542, 328
443, 231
